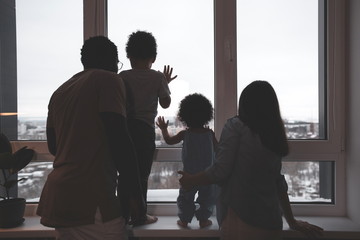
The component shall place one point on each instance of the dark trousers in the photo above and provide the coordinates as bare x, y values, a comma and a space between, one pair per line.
205, 199
143, 137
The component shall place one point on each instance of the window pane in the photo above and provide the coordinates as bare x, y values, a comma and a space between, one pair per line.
309, 181
35, 174
163, 185
278, 41
185, 39
49, 38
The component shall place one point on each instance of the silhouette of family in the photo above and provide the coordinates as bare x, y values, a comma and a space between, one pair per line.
99, 181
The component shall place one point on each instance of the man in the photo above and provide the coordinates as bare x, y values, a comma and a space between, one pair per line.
87, 134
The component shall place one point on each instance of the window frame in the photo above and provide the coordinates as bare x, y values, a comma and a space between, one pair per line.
225, 98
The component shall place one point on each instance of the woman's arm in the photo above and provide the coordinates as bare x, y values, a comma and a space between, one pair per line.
308, 229
222, 168
188, 181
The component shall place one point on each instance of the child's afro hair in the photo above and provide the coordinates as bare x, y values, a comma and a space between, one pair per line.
141, 45
195, 110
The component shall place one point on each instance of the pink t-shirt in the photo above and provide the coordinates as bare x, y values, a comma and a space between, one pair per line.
84, 175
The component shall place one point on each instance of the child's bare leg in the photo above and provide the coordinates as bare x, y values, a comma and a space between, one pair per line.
205, 223
182, 224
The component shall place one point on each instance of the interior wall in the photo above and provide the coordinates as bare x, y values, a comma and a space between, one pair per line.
8, 90
353, 111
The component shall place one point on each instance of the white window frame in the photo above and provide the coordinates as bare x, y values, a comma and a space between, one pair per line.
225, 103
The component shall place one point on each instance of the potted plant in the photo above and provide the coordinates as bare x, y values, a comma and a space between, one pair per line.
12, 209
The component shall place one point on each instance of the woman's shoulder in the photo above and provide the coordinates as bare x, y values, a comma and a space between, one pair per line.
235, 123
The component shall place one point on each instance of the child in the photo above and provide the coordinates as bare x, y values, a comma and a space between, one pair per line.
195, 111
144, 89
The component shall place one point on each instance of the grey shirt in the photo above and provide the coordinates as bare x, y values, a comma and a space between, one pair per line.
249, 176
144, 87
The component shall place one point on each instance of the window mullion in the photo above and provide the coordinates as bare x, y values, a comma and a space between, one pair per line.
225, 62
95, 18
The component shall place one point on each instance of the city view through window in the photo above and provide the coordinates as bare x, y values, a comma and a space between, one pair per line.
283, 52
302, 177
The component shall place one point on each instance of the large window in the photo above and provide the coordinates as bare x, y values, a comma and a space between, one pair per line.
185, 39
283, 42
280, 41
216, 48
48, 53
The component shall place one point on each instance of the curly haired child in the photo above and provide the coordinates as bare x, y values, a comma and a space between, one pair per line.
145, 88
195, 112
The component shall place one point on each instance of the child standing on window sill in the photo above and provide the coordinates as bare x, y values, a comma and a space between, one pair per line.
199, 142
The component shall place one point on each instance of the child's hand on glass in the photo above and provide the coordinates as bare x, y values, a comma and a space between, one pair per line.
161, 123
168, 72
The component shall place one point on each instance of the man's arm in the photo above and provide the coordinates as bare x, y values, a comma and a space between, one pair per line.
51, 140
124, 156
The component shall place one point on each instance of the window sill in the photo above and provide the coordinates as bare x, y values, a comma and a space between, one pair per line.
335, 228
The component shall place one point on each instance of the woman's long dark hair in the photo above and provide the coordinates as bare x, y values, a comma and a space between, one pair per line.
259, 110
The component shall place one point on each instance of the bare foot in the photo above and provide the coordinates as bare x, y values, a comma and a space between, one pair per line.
205, 223
150, 219
182, 224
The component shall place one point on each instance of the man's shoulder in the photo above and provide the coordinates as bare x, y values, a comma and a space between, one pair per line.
101, 73
103, 77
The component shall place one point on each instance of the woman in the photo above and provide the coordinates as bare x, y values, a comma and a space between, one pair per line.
247, 168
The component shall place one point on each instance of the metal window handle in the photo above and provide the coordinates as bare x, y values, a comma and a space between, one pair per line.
228, 47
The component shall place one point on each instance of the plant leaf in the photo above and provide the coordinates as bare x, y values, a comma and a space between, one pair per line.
22, 179
22, 158
5, 145
10, 183
6, 160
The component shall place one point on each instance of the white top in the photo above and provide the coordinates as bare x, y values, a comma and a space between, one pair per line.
144, 87
249, 175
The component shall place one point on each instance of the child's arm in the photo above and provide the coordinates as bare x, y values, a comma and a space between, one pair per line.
215, 141
165, 101
169, 139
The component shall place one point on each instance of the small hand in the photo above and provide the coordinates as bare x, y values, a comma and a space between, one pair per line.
185, 180
168, 72
310, 230
161, 123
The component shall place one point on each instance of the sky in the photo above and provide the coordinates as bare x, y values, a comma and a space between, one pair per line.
276, 41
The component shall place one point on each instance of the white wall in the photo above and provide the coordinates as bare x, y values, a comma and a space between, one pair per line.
353, 112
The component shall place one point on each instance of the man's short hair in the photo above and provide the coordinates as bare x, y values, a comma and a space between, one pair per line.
99, 52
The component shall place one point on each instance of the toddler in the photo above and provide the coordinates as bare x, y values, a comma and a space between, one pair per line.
195, 112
